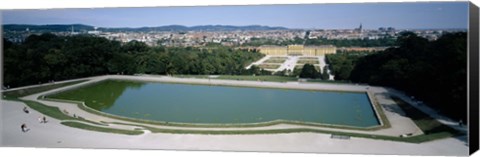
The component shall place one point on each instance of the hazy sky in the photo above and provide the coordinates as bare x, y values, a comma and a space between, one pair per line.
371, 15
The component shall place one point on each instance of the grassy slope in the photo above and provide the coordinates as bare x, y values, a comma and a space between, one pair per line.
275, 61
413, 139
308, 62
431, 127
269, 78
50, 111
24, 92
53, 112
101, 129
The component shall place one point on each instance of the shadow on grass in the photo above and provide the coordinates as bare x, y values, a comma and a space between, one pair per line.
430, 126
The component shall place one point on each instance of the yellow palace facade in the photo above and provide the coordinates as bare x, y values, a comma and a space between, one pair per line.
298, 50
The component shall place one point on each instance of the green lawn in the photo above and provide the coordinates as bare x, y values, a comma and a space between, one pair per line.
33, 90
300, 67
269, 66
413, 139
285, 58
308, 58
275, 61
53, 112
328, 81
269, 78
431, 127
102, 129
308, 62
191, 76
273, 78
50, 111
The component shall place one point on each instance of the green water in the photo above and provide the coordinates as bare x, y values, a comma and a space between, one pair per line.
223, 104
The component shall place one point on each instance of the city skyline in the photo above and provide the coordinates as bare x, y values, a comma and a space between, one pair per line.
424, 15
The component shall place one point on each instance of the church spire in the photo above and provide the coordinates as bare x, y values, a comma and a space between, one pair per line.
360, 29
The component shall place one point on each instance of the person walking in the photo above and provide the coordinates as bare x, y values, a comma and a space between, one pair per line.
25, 110
24, 127
44, 119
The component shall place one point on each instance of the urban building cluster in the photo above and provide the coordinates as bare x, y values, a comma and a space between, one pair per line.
231, 38
357, 33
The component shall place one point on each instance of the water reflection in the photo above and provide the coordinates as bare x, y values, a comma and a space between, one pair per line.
99, 96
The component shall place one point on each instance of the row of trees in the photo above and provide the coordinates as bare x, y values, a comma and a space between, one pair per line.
433, 71
342, 63
386, 41
268, 41
308, 71
46, 57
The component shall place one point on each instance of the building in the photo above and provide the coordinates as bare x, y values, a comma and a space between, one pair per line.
298, 50
359, 29
364, 49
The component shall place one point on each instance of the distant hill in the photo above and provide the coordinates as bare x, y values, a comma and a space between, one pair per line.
81, 28
50, 28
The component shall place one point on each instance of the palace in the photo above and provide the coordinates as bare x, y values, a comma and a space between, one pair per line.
298, 50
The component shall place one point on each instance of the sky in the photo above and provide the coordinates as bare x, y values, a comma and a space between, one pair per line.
424, 15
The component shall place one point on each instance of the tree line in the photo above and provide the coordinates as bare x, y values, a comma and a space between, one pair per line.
341, 64
46, 57
432, 71
385, 41
381, 42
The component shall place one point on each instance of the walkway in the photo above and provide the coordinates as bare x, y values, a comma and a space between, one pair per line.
53, 134
289, 64
259, 61
41, 134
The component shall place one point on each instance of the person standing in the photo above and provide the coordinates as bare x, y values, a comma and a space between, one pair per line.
44, 119
25, 110
24, 127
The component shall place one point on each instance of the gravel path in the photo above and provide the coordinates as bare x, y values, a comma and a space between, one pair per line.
53, 134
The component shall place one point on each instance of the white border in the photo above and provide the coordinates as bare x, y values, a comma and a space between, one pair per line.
68, 152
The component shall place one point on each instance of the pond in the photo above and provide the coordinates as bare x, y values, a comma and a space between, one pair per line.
189, 103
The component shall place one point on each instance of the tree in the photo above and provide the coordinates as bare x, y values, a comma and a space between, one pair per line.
341, 64
308, 71
46, 57
254, 70
432, 71
325, 75
134, 46
284, 72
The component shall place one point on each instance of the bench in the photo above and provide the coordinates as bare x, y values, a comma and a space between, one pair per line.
342, 137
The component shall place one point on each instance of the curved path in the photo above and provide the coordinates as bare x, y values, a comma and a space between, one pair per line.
53, 134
